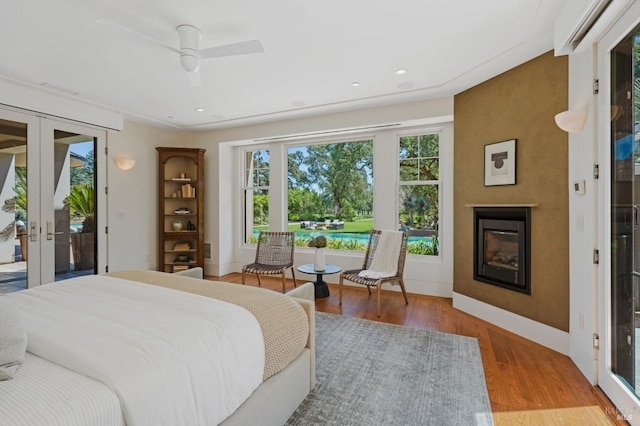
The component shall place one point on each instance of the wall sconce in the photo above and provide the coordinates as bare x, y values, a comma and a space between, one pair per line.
124, 163
572, 120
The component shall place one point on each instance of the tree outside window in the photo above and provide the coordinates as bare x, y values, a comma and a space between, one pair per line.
418, 192
330, 193
256, 193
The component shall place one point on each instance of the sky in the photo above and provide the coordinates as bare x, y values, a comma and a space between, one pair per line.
82, 148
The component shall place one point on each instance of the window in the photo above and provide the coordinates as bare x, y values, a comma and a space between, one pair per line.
330, 193
256, 193
419, 192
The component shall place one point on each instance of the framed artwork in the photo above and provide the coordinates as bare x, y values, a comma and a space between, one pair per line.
500, 163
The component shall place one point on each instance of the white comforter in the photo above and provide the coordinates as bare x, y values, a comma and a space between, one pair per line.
173, 358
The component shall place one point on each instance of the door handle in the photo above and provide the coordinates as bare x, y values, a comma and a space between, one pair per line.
50, 232
33, 231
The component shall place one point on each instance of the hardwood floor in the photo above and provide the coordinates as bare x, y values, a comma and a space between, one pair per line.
528, 384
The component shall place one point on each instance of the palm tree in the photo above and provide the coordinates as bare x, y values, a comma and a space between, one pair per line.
21, 193
82, 205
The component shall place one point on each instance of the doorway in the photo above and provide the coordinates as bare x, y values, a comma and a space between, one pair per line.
48, 200
619, 151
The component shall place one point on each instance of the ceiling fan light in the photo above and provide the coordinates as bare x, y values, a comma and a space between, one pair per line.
190, 61
189, 37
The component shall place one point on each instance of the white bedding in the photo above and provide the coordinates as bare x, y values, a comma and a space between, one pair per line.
44, 393
171, 357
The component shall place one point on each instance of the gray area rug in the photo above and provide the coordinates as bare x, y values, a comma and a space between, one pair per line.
372, 373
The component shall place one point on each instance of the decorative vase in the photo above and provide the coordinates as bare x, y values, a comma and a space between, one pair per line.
177, 225
318, 262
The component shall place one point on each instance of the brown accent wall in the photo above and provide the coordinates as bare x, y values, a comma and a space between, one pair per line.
518, 104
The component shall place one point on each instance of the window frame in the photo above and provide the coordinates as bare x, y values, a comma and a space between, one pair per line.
385, 183
439, 183
246, 187
329, 140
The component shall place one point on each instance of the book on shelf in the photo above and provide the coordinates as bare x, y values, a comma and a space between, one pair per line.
182, 247
177, 268
188, 191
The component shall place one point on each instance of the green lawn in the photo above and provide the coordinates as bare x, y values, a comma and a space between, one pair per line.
359, 226
422, 246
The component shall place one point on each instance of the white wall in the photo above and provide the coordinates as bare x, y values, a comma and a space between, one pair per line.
133, 200
57, 105
590, 285
222, 204
582, 218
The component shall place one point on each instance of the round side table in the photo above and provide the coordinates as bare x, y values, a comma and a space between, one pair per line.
321, 287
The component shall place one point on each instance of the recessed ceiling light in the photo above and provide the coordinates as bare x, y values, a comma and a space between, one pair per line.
200, 109
401, 71
355, 84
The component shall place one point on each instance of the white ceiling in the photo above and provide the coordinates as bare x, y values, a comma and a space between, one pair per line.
313, 52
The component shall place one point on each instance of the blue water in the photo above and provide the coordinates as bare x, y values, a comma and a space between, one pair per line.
363, 238
359, 237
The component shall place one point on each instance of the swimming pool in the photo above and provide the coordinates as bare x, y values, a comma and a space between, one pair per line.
360, 238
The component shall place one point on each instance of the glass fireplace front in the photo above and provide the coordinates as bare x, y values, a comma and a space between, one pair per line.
502, 247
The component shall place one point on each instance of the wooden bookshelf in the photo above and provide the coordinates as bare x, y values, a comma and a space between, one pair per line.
180, 208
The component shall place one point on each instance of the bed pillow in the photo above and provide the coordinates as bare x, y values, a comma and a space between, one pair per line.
13, 338
191, 272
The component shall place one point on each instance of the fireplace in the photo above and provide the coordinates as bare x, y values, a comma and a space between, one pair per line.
502, 247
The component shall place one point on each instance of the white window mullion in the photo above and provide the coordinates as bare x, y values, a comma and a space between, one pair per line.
278, 187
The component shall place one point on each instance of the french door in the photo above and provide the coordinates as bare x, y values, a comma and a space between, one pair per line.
619, 151
50, 221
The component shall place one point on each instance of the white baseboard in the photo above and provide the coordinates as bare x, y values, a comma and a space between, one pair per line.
584, 359
216, 270
428, 288
543, 334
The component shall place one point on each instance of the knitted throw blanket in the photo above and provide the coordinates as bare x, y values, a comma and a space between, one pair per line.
385, 259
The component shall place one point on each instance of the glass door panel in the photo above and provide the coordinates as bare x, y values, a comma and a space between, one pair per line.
19, 239
69, 218
625, 199
48, 202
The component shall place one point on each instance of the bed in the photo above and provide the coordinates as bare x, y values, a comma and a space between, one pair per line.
169, 349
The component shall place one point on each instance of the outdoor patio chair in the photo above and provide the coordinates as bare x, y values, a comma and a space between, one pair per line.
383, 263
274, 254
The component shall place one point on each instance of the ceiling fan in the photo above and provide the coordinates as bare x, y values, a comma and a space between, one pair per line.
189, 49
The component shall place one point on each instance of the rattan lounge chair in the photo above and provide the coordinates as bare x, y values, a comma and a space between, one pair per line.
395, 279
274, 254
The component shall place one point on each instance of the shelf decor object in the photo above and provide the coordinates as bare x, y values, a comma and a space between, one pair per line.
181, 208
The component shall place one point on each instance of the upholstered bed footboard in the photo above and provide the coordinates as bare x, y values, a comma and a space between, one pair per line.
272, 310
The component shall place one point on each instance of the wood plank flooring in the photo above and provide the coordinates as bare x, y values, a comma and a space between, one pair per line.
528, 384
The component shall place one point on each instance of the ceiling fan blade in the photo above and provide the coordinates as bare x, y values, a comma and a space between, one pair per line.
242, 48
194, 79
135, 33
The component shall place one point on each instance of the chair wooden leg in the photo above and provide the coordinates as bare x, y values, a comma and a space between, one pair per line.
369, 290
243, 272
404, 292
293, 274
340, 290
284, 282
379, 292
259, 282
